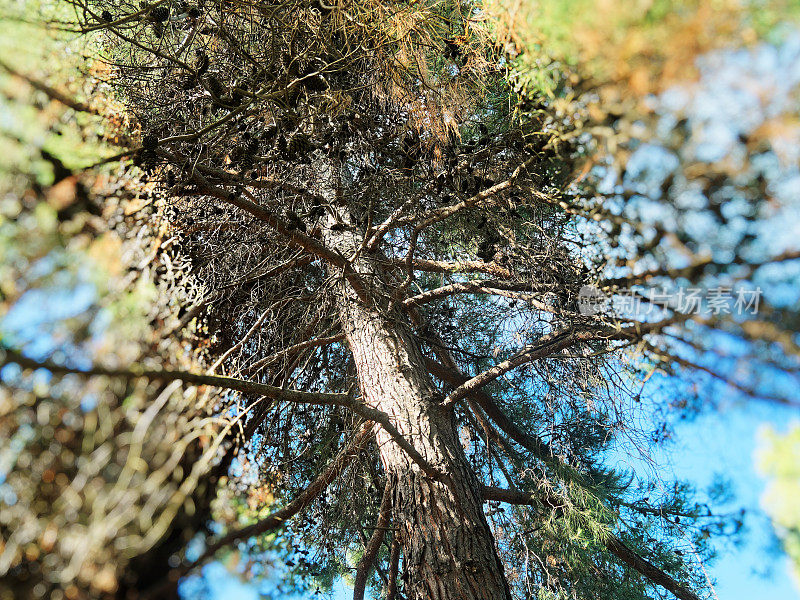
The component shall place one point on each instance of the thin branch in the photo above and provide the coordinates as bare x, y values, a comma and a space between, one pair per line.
372, 242
749, 391
245, 337
319, 485
554, 342
649, 570
467, 266
230, 383
50, 92
323, 341
545, 346
294, 236
482, 286
394, 563
374, 544
529, 441
278, 518
440, 214
296, 261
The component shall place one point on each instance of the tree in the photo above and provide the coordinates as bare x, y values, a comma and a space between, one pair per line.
777, 459
383, 248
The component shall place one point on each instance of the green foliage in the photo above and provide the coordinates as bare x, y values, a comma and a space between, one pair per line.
606, 42
778, 459
29, 120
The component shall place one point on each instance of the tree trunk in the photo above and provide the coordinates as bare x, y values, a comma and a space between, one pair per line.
448, 549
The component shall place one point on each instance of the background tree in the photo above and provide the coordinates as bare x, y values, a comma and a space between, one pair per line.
778, 461
381, 243
94, 473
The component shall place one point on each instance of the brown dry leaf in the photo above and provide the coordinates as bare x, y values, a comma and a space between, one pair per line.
105, 581
106, 250
62, 194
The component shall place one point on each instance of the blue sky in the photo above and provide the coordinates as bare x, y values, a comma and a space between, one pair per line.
724, 442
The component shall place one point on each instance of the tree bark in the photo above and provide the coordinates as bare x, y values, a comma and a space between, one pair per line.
448, 549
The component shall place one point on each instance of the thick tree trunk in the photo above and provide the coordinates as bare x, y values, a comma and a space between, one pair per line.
448, 549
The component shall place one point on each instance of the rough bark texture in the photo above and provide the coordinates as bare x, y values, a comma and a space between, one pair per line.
447, 547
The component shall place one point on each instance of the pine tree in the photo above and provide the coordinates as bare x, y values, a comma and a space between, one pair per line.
394, 283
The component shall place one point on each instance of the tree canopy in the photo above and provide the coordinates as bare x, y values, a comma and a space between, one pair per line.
410, 289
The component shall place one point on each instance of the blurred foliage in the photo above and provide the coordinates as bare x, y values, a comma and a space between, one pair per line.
30, 121
92, 474
55, 214
687, 115
642, 46
779, 461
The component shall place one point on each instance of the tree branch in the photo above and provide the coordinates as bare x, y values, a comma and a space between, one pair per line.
50, 92
295, 396
394, 563
230, 383
614, 545
319, 485
295, 237
278, 518
545, 346
748, 391
323, 341
529, 441
482, 286
556, 341
468, 266
445, 212
374, 544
